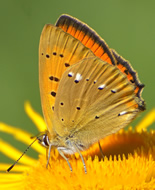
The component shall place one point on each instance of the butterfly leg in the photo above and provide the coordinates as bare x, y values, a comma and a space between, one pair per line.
84, 165
61, 153
48, 157
100, 149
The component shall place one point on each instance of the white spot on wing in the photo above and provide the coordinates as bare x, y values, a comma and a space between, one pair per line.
101, 86
78, 77
70, 74
113, 91
122, 113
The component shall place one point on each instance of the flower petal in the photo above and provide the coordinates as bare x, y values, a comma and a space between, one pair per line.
11, 181
146, 121
22, 136
18, 168
14, 154
35, 117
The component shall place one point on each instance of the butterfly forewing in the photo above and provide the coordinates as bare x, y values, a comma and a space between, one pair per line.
57, 51
94, 99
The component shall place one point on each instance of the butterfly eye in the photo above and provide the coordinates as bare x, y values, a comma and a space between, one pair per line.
45, 140
78, 108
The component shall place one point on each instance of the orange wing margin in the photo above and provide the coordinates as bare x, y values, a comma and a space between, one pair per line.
131, 74
87, 36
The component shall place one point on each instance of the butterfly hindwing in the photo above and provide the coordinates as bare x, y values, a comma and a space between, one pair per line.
94, 97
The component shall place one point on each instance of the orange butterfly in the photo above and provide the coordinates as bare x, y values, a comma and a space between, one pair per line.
87, 90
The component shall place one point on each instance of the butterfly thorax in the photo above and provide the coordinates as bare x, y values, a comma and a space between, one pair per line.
67, 144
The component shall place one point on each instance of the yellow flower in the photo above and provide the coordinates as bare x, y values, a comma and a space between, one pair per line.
128, 163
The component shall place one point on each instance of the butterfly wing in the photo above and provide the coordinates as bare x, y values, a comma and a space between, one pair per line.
98, 46
57, 51
94, 99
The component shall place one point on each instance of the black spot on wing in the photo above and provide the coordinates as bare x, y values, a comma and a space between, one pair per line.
67, 64
53, 93
47, 56
54, 79
61, 103
97, 117
61, 55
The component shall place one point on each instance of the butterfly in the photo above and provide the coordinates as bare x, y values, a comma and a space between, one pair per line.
88, 91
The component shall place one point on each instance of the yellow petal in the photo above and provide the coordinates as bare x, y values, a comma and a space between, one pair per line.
22, 136
11, 181
146, 121
35, 117
18, 168
14, 154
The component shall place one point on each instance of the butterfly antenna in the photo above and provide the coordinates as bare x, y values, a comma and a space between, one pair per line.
10, 168
37, 135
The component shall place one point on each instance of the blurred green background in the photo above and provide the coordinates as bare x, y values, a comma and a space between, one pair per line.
127, 26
